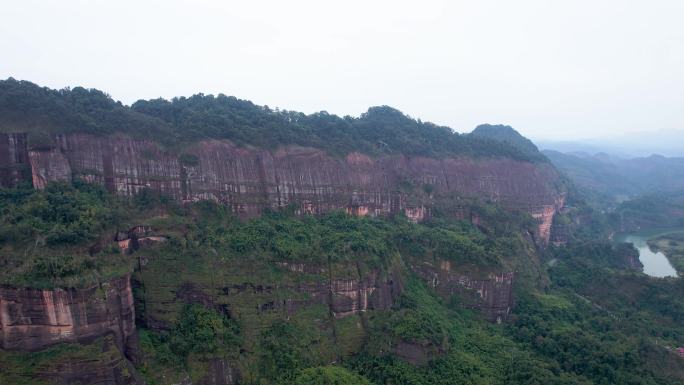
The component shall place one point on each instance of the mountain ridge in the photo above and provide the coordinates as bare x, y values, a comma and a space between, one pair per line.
40, 111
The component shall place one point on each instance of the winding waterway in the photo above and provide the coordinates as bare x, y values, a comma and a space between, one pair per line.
655, 263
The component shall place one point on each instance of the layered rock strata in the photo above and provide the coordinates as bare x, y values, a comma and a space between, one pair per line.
33, 319
14, 159
490, 293
250, 180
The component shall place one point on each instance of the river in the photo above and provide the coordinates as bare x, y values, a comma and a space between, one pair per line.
655, 263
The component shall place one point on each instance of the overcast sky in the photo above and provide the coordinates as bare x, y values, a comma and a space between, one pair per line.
552, 69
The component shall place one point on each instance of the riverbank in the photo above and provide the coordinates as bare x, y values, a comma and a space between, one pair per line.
655, 263
672, 245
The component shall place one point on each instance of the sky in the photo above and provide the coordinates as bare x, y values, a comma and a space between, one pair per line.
553, 69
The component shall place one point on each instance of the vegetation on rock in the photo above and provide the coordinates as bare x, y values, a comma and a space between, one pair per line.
42, 112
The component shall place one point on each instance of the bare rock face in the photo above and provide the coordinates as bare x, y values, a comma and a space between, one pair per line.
99, 362
544, 215
251, 180
490, 293
32, 319
48, 166
107, 367
219, 373
248, 293
14, 160
135, 238
351, 296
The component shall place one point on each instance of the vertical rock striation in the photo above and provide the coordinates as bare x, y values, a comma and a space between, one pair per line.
490, 293
14, 159
33, 319
251, 180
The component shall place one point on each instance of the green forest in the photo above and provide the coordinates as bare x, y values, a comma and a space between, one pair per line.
586, 319
40, 111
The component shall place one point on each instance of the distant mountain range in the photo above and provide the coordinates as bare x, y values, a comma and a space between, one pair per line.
614, 176
621, 178
665, 142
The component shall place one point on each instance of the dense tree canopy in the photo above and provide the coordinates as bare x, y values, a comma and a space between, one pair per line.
27, 107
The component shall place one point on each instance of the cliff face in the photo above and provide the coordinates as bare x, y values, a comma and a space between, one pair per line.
14, 160
250, 180
99, 362
330, 299
250, 293
490, 293
32, 319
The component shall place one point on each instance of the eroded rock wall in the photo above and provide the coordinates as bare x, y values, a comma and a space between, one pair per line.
219, 372
99, 362
490, 293
14, 160
341, 290
250, 180
32, 319
107, 366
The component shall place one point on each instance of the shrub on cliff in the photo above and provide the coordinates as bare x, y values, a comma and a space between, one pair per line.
329, 375
201, 330
60, 214
283, 351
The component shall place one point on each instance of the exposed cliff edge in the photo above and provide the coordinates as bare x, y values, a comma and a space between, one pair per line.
14, 162
99, 362
341, 289
33, 319
251, 180
490, 293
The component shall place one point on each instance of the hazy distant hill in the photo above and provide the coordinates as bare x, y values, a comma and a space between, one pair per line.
619, 177
665, 142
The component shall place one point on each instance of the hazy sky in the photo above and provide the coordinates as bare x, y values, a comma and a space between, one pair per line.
552, 69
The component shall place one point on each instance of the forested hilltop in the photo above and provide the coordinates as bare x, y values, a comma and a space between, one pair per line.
26, 107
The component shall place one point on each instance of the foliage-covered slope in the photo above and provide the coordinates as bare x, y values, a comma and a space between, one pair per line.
506, 134
657, 210
210, 294
618, 178
26, 107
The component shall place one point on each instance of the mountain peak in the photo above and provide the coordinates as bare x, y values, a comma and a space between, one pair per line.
506, 134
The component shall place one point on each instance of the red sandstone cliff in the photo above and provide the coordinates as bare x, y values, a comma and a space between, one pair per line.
250, 180
32, 319
13, 159
490, 293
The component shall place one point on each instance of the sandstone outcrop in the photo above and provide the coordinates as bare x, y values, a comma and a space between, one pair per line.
250, 180
305, 286
490, 293
219, 372
33, 319
136, 238
14, 160
99, 362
